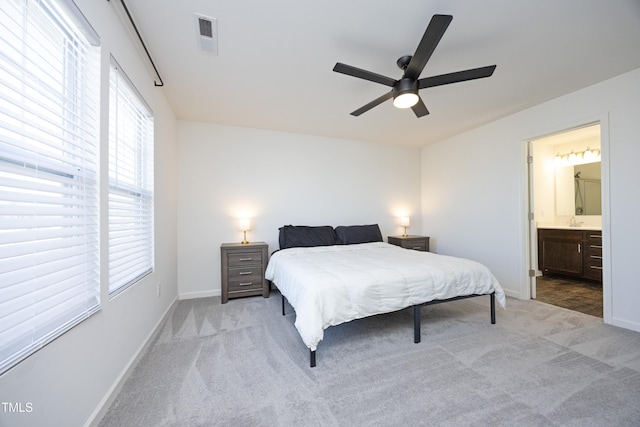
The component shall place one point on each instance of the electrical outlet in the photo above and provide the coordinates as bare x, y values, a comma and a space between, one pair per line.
158, 289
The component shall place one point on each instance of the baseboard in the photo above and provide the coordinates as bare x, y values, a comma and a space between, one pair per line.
113, 391
512, 294
201, 294
616, 321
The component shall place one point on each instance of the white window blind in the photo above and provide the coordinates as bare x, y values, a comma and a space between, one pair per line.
49, 251
130, 183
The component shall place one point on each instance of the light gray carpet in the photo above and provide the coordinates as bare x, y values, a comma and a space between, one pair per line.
244, 364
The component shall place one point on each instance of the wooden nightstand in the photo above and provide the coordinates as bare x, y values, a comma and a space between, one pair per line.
418, 243
243, 267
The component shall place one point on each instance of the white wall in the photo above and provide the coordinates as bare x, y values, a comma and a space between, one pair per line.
277, 179
544, 184
548, 184
68, 380
473, 189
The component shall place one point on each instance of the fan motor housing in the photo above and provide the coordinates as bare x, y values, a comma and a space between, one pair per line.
403, 62
405, 85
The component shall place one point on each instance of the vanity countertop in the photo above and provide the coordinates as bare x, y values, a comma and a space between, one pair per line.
567, 227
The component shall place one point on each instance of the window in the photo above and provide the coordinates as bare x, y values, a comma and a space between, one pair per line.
49, 234
130, 183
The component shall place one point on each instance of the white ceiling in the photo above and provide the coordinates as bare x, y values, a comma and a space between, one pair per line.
274, 68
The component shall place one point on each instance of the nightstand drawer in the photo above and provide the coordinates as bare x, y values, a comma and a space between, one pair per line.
418, 243
244, 258
249, 272
245, 284
415, 245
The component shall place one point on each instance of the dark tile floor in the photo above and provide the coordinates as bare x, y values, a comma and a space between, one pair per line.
584, 297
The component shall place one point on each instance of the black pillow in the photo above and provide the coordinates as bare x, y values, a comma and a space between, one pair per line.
303, 236
352, 234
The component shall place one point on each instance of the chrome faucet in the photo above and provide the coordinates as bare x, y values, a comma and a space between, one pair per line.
573, 223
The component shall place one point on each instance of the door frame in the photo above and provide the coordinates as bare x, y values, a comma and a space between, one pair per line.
530, 231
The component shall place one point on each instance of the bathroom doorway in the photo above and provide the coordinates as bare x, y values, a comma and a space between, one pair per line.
565, 219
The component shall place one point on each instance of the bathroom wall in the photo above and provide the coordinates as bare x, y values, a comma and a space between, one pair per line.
554, 202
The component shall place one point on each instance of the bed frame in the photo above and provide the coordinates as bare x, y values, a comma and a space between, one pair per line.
417, 317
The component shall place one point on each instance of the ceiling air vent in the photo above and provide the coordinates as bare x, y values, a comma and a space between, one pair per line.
207, 33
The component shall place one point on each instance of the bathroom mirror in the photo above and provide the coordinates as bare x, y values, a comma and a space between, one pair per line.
578, 190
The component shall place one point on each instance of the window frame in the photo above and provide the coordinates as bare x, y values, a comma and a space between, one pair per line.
131, 180
49, 175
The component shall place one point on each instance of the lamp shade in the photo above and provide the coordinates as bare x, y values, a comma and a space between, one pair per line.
244, 224
405, 221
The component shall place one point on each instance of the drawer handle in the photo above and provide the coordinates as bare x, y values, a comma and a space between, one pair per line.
245, 284
244, 273
245, 259
596, 246
596, 257
417, 247
595, 267
579, 248
597, 236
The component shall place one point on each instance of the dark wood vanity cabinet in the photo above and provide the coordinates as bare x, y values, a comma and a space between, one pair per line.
560, 252
593, 255
570, 253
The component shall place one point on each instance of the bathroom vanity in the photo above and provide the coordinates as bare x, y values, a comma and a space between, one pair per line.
571, 252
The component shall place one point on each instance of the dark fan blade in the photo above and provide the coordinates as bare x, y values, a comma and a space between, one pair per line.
372, 104
420, 109
363, 74
432, 35
458, 76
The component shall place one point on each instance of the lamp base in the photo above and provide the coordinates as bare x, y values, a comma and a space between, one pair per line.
244, 240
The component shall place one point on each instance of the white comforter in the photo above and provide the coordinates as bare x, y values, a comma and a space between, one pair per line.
329, 285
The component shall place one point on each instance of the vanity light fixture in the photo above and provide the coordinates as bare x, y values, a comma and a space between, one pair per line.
245, 225
576, 157
405, 222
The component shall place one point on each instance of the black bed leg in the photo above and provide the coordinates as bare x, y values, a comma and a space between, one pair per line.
416, 324
493, 308
312, 358
282, 304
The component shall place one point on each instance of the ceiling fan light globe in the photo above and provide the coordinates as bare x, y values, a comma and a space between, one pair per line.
405, 100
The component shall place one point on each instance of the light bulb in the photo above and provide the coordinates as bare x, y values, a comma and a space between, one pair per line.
588, 154
405, 100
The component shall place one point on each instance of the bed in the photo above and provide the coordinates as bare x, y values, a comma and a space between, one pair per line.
332, 276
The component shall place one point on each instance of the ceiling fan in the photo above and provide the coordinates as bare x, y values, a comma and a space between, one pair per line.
405, 91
